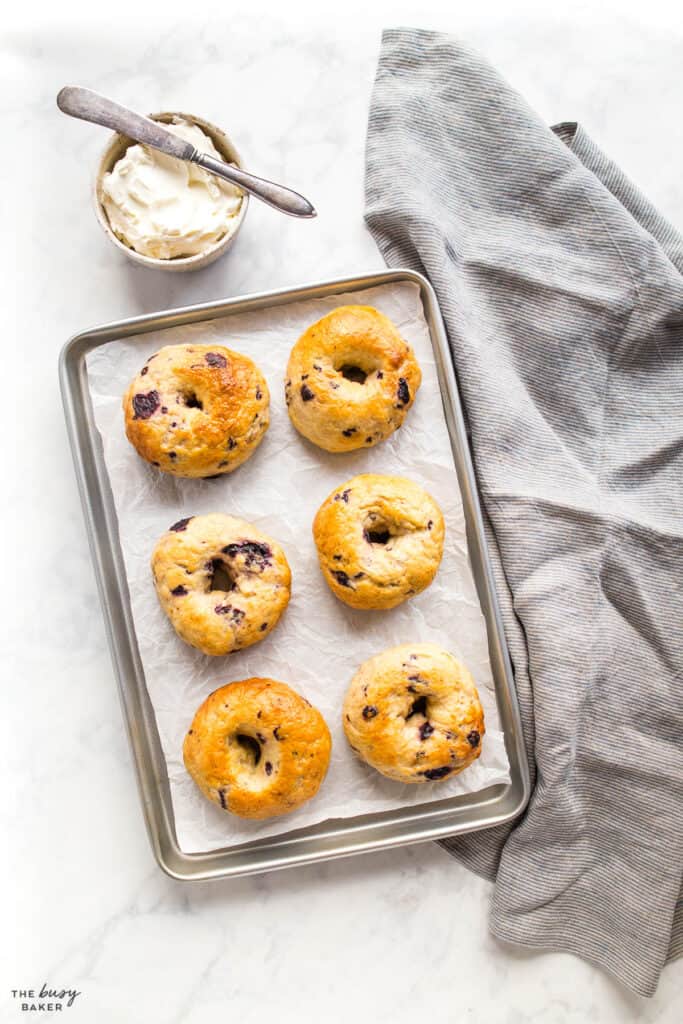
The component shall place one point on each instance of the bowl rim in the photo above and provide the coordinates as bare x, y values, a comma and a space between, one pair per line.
118, 144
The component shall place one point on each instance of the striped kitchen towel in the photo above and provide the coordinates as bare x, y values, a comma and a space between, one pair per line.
562, 292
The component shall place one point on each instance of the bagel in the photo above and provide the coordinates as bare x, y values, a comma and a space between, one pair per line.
222, 583
413, 713
379, 540
257, 749
197, 410
351, 379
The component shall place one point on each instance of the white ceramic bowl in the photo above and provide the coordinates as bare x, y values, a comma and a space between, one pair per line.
115, 150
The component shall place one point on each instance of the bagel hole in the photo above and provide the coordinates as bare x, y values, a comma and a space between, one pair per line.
353, 373
376, 531
222, 578
418, 707
251, 747
192, 401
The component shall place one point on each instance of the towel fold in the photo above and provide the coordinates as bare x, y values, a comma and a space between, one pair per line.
562, 293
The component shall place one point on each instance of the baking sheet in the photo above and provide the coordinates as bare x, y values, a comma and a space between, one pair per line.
319, 643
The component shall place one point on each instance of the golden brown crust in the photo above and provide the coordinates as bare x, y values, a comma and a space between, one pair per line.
413, 713
329, 402
197, 410
257, 748
379, 539
219, 621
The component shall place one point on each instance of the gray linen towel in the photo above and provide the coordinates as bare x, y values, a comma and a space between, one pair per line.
562, 293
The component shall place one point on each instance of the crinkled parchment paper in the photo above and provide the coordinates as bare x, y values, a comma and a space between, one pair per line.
319, 642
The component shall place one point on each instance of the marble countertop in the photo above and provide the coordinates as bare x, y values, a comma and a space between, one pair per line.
376, 938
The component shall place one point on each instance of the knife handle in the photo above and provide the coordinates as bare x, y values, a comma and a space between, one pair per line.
268, 191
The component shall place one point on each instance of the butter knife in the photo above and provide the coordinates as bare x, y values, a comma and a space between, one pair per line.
90, 106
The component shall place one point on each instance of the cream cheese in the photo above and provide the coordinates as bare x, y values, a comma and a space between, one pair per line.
168, 208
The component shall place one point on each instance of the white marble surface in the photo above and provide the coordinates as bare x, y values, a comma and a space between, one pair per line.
379, 938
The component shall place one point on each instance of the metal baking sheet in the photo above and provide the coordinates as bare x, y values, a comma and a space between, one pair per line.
332, 838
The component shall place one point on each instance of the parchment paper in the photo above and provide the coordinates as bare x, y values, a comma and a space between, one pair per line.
319, 643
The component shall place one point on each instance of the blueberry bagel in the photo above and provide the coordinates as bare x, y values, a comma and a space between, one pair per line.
257, 748
379, 539
351, 379
222, 583
197, 410
413, 713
